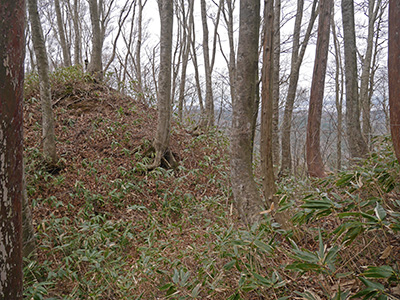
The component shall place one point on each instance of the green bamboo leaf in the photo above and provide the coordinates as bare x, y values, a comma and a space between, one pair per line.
230, 264
380, 212
378, 272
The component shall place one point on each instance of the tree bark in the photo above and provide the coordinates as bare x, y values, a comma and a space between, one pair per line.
61, 33
187, 36
247, 198
357, 145
314, 158
339, 87
49, 145
365, 88
394, 73
161, 142
96, 65
297, 59
267, 111
77, 38
209, 116
276, 85
12, 50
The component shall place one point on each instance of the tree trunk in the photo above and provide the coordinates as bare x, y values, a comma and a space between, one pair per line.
267, 110
49, 145
247, 198
96, 65
276, 85
28, 232
12, 50
209, 117
365, 87
314, 158
77, 38
357, 145
138, 54
339, 87
187, 36
297, 59
61, 33
394, 73
161, 142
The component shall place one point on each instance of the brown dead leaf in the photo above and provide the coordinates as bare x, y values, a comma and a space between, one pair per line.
386, 252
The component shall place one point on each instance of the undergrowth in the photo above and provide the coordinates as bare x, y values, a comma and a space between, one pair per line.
107, 229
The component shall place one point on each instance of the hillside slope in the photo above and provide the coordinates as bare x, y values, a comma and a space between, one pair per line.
108, 229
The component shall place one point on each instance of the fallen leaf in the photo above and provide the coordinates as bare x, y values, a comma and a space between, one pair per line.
386, 252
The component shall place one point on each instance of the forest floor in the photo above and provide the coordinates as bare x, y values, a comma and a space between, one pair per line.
109, 229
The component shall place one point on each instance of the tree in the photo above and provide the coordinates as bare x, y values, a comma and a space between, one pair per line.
187, 24
209, 61
247, 198
49, 144
394, 73
61, 33
96, 65
339, 87
314, 158
267, 111
366, 87
276, 83
12, 50
357, 145
298, 52
161, 141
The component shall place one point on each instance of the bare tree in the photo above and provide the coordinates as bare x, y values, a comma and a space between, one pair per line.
247, 199
267, 111
12, 50
161, 141
339, 89
267, 167
357, 145
394, 73
276, 83
61, 33
209, 61
298, 52
373, 9
314, 158
49, 145
96, 64
187, 24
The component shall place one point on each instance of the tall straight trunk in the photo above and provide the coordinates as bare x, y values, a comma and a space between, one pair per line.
267, 110
193, 56
161, 141
267, 167
49, 144
247, 198
365, 88
77, 37
339, 87
357, 145
209, 117
12, 50
314, 158
96, 64
276, 86
394, 73
138, 63
61, 33
297, 58
185, 59
232, 60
